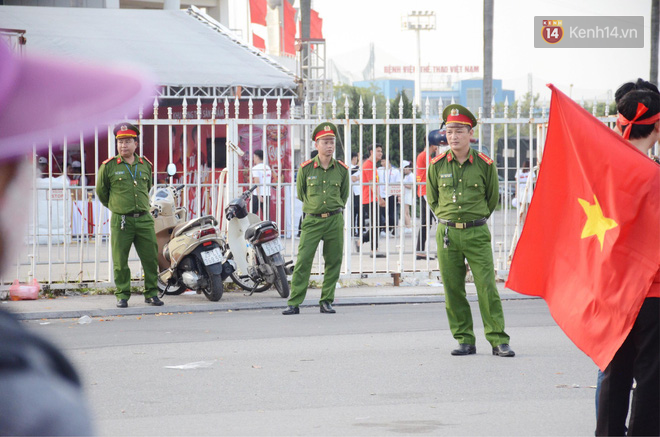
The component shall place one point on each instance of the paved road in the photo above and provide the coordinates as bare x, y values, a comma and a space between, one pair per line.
368, 370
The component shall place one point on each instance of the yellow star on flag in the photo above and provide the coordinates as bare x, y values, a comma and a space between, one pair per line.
597, 224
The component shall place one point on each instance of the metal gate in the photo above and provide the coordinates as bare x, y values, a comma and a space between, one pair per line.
68, 235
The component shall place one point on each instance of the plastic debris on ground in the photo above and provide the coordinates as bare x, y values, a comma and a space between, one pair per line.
191, 366
85, 320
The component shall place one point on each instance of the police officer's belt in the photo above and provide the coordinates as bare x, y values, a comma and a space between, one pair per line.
326, 214
136, 215
472, 224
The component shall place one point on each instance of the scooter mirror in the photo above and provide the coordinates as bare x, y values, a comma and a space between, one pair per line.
171, 169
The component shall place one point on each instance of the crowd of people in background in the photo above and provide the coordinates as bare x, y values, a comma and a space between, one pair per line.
400, 204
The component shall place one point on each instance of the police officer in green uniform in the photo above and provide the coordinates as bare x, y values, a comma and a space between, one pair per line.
323, 187
463, 193
122, 185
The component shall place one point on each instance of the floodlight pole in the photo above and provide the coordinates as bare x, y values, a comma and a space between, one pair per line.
418, 21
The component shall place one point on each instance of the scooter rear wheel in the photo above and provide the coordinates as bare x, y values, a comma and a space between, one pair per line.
172, 290
214, 291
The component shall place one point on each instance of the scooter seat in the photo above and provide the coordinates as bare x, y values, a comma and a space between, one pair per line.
256, 227
201, 221
177, 228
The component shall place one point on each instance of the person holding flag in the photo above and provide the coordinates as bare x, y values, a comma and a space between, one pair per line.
597, 217
638, 357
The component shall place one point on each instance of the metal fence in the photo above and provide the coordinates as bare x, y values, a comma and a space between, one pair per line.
212, 145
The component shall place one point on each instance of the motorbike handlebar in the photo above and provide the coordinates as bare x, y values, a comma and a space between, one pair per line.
248, 193
180, 187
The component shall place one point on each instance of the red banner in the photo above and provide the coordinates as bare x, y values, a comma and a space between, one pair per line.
289, 29
258, 23
315, 25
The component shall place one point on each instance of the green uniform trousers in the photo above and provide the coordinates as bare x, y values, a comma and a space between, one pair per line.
138, 231
315, 229
474, 245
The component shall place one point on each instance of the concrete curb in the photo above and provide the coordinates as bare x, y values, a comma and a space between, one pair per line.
241, 306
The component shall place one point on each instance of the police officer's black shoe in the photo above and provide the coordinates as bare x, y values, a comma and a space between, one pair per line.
154, 301
291, 310
503, 350
122, 303
465, 349
326, 307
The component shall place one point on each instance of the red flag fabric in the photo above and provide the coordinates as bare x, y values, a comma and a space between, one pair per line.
258, 23
591, 242
289, 29
315, 25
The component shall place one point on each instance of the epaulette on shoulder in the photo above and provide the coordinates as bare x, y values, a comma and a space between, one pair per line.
438, 158
147, 159
486, 159
343, 164
309, 161
108, 160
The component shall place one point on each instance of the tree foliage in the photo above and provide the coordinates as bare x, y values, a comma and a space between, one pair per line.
369, 96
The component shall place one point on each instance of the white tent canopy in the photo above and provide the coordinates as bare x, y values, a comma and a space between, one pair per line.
182, 48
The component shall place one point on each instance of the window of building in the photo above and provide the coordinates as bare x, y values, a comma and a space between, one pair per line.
473, 96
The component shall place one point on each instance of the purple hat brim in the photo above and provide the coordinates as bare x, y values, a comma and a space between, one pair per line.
42, 99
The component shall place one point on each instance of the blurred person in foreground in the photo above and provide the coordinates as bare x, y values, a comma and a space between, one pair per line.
40, 99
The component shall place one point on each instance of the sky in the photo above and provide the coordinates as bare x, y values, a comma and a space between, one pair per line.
349, 26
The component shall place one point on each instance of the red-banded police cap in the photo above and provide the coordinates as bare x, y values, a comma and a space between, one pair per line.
458, 114
323, 130
126, 130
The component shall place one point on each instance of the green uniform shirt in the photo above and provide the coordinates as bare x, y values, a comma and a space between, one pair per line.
323, 190
462, 192
123, 188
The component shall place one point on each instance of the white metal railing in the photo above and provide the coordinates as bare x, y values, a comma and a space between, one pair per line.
68, 240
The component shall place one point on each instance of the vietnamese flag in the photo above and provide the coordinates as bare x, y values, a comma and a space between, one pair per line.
591, 242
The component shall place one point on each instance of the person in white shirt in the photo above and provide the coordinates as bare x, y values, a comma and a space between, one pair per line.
262, 176
357, 191
522, 175
393, 177
408, 196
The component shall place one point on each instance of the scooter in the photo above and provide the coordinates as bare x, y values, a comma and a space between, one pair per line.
191, 254
255, 246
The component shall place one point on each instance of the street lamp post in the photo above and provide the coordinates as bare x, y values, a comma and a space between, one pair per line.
418, 21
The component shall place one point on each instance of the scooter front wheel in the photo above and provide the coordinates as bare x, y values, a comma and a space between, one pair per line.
244, 281
281, 283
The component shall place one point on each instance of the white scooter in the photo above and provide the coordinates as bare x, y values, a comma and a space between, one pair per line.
255, 247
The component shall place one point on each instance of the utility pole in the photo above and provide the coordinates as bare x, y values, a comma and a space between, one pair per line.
655, 30
488, 65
